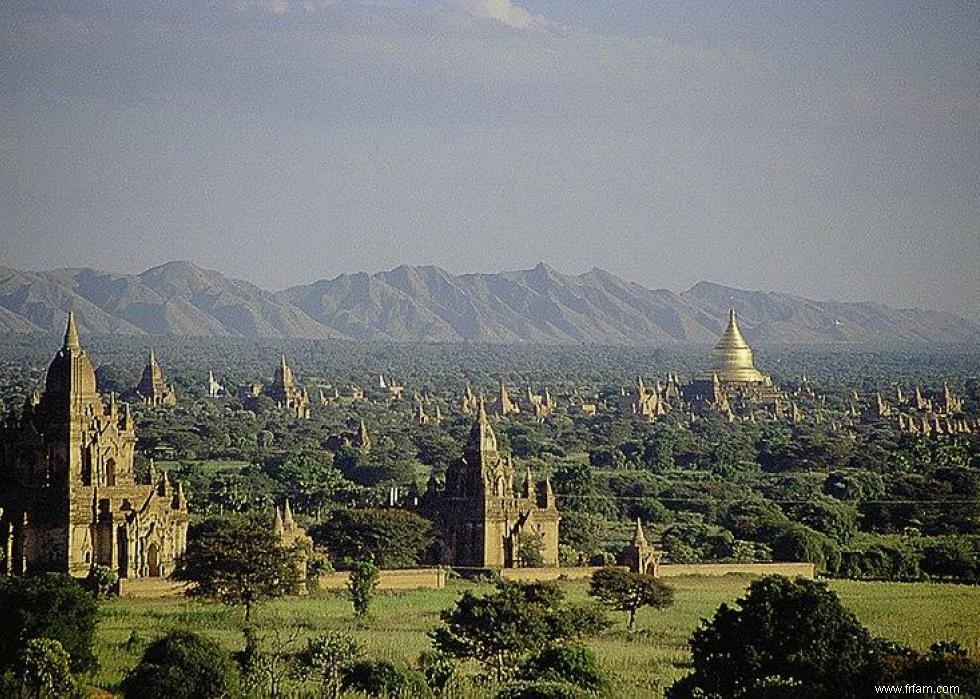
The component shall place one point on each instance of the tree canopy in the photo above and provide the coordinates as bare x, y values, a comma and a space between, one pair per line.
627, 591
51, 606
237, 561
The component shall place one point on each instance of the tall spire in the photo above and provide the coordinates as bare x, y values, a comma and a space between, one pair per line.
482, 438
152, 361
639, 539
71, 333
529, 489
277, 525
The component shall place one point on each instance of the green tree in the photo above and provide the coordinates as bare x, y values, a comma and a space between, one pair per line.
390, 538
529, 550
43, 671
573, 663
237, 561
542, 689
627, 591
799, 543
182, 665
364, 578
500, 628
325, 659
381, 678
794, 633
51, 606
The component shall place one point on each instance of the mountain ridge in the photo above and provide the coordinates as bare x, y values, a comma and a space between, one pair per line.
429, 304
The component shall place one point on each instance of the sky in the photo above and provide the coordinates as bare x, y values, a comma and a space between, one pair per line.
826, 149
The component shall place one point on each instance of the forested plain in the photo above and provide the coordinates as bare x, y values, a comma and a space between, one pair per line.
868, 502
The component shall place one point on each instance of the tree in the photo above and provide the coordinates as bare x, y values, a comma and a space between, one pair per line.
237, 561
794, 634
390, 538
627, 591
799, 543
381, 678
43, 671
325, 660
182, 665
364, 577
573, 663
502, 627
51, 606
529, 553
542, 689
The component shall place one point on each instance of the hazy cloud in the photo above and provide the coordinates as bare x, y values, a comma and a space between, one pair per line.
503, 11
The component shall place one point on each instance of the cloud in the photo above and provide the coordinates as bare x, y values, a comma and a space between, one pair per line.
282, 7
503, 11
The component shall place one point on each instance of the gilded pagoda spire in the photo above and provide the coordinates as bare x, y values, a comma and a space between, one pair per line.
731, 358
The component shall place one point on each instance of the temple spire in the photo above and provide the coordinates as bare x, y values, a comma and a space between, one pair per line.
639, 539
71, 333
277, 525
529, 489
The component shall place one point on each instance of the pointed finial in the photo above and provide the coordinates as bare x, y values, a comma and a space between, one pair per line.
153, 358
277, 525
639, 539
529, 484
71, 333
287, 516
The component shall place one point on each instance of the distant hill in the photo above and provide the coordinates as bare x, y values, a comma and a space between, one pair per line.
428, 304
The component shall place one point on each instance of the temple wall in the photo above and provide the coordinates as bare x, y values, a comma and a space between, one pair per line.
408, 579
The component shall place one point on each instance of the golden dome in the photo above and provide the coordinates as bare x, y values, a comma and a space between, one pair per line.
731, 359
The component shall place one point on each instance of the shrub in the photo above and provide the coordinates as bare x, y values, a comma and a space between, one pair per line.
379, 678
51, 606
364, 578
571, 663
182, 665
544, 689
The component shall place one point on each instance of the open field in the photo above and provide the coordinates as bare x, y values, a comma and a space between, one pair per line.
913, 613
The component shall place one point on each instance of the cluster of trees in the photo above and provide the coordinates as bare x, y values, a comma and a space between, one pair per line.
783, 638
791, 638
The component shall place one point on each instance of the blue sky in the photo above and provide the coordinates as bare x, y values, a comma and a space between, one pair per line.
827, 149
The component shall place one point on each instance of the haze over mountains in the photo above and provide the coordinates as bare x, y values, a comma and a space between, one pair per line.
429, 304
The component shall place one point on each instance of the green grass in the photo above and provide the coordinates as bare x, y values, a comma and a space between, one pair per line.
915, 614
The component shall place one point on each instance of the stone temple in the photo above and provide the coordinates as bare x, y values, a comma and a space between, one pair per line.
68, 493
153, 388
483, 519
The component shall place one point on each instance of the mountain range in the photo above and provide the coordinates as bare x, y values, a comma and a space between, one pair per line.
429, 304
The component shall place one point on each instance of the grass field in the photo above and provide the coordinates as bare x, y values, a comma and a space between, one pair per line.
915, 614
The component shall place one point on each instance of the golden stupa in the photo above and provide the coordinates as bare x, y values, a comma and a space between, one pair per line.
731, 359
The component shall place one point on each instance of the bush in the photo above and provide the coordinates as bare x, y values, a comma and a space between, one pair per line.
364, 578
101, 582
379, 678
799, 543
43, 672
571, 663
544, 689
182, 665
325, 659
51, 606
